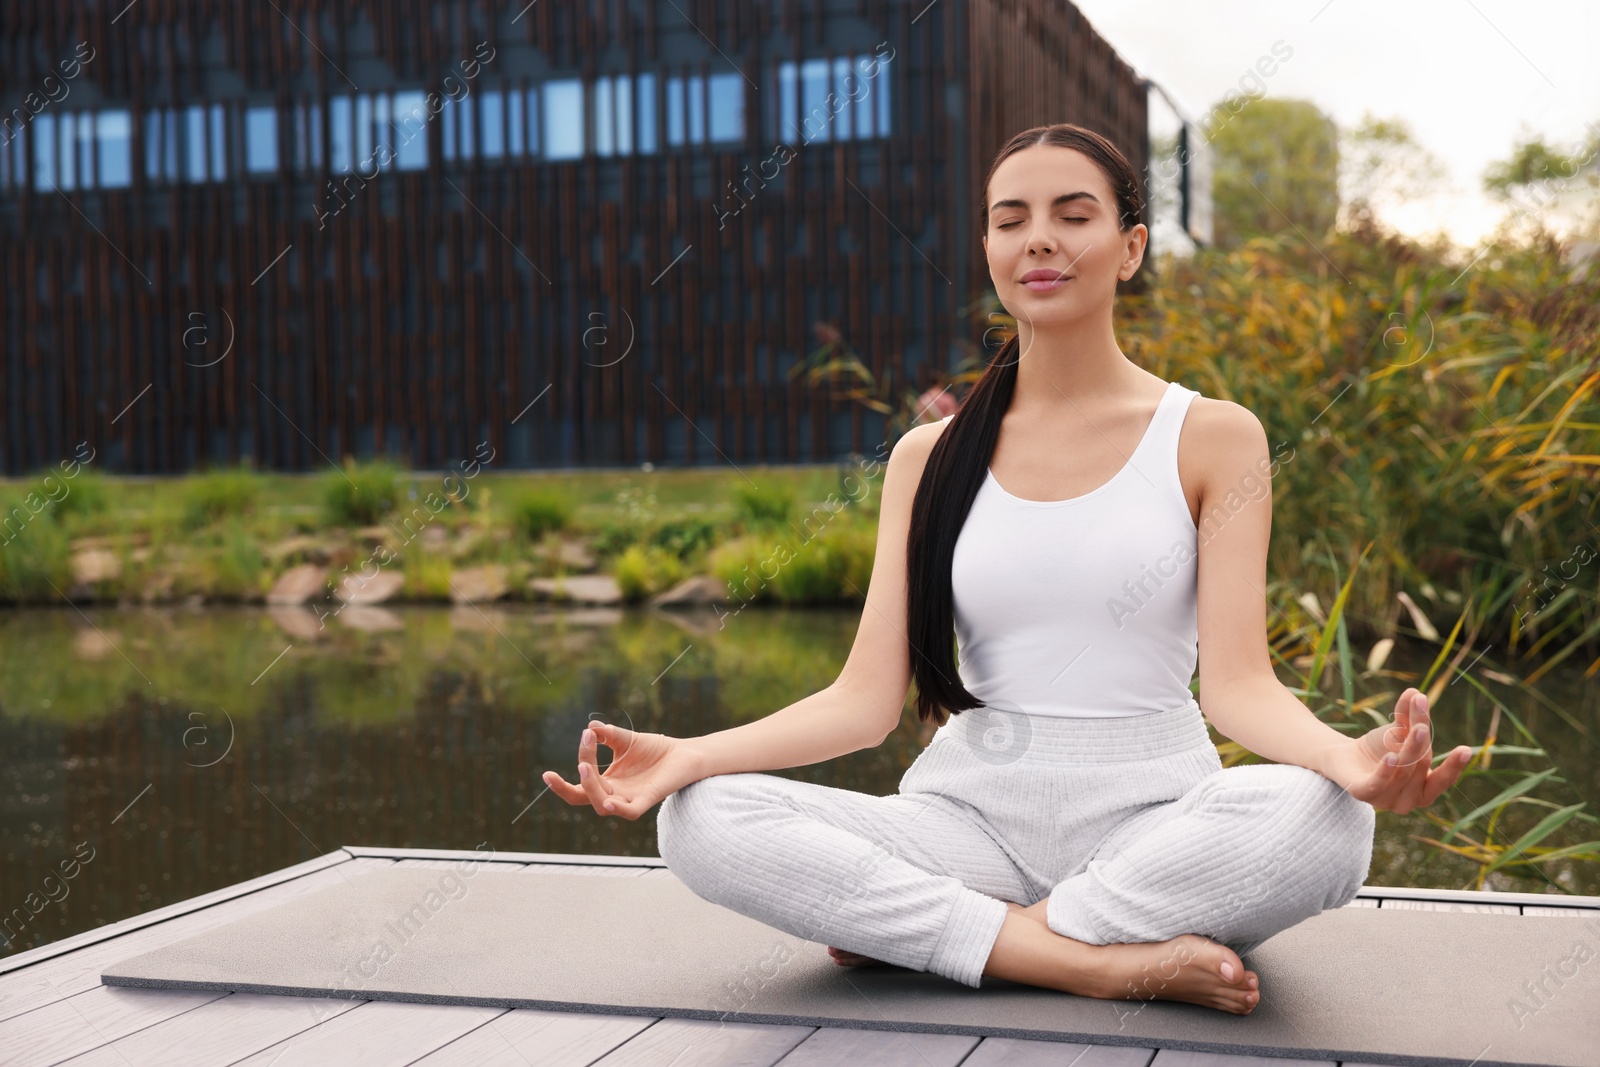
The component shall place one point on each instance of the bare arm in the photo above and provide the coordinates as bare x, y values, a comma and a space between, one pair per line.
1240, 692
857, 711
863, 706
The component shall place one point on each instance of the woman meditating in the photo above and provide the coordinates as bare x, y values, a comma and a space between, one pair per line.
1070, 825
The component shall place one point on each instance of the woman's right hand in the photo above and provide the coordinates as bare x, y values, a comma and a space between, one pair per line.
645, 770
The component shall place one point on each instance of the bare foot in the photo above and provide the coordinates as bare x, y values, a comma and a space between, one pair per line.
845, 958
1188, 968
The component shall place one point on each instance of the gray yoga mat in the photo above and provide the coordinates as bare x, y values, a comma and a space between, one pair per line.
1356, 984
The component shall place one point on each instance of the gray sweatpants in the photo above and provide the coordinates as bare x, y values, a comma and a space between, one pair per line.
1131, 827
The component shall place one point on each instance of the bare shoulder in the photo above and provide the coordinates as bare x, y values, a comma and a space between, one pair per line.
1222, 427
915, 444
1222, 448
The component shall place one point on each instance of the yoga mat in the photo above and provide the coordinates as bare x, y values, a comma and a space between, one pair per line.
1357, 984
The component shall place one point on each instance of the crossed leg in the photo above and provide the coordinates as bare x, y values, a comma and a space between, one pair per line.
907, 879
1246, 853
912, 880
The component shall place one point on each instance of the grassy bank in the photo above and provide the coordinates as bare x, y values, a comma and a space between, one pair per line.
227, 535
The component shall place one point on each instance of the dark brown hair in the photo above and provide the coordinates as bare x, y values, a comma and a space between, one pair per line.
960, 458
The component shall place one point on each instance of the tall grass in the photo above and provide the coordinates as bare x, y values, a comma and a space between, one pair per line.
360, 494
1511, 822
220, 494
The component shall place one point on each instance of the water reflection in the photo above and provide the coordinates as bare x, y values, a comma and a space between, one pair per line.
157, 754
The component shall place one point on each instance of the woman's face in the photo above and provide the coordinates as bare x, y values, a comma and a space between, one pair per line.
1052, 211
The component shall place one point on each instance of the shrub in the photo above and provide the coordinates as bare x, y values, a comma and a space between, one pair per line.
359, 494
643, 570
536, 512
35, 558
834, 565
86, 495
615, 534
758, 506
427, 574
220, 494
685, 538
238, 570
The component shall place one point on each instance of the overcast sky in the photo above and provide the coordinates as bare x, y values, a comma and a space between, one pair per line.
1470, 76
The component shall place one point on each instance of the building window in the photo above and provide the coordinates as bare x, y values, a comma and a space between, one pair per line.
86, 150
383, 149
563, 119
694, 105
340, 149
727, 107
261, 140
674, 111
847, 91
67, 156
364, 163
113, 148
456, 129
618, 115
686, 110
410, 131
822, 100
533, 122
492, 123
44, 152
219, 144
466, 128
308, 137
645, 85
814, 115
516, 125
613, 116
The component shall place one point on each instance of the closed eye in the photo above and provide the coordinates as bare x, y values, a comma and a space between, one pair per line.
1066, 218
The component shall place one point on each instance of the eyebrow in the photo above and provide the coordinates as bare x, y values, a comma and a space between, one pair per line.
1064, 198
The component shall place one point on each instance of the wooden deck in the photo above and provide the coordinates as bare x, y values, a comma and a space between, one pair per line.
54, 1009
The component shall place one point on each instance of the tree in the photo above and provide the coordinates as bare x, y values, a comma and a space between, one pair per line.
1276, 168
1545, 184
1381, 164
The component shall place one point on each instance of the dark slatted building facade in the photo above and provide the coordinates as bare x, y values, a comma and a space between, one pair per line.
589, 234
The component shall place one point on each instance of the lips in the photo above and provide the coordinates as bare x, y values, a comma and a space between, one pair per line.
1042, 281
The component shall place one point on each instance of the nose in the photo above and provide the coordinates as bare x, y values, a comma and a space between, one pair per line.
1039, 246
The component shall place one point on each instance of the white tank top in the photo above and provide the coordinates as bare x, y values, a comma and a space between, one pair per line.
1084, 607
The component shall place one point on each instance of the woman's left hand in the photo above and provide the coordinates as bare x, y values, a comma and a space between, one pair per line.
1391, 767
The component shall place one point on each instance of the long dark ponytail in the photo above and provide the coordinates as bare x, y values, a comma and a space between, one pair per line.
959, 460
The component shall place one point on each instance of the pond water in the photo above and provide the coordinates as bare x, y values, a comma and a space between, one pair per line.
156, 754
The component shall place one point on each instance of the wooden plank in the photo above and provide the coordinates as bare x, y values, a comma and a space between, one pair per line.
221, 1031
455, 865
705, 1043
531, 1037
879, 1048
504, 857
50, 980
1017, 1052
182, 907
620, 872
1171, 1057
1581, 913
77, 1024
1470, 896
1451, 905
376, 1033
